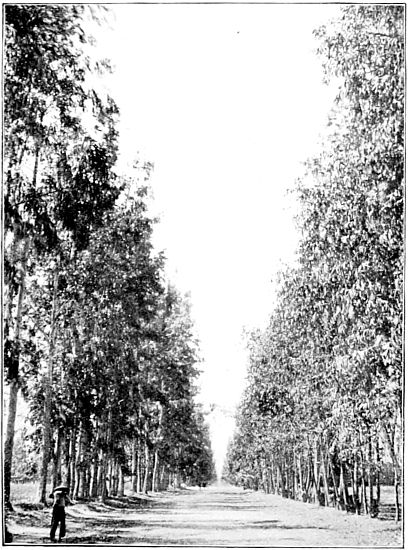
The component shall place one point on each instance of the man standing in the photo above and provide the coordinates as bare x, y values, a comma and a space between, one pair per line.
61, 498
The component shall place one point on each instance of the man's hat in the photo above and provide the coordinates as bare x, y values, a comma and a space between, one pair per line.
63, 488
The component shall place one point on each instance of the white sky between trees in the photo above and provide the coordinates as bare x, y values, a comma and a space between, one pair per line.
227, 101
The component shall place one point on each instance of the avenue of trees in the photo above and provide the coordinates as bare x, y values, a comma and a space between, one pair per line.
100, 347
322, 411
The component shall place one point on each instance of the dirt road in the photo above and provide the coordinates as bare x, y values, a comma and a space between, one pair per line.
215, 516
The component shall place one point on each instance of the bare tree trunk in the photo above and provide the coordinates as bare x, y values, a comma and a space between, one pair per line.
396, 494
343, 487
372, 504
134, 466
355, 486
177, 481
56, 478
14, 379
109, 477
389, 439
363, 499
72, 460
279, 479
115, 478
156, 452
82, 463
287, 478
94, 476
147, 464
138, 473
121, 486
325, 482
9, 443
335, 485
163, 476
301, 480
102, 489
65, 459
294, 476
47, 435
377, 476
88, 482
316, 473
155, 471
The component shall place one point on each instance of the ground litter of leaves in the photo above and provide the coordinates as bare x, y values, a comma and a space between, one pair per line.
214, 516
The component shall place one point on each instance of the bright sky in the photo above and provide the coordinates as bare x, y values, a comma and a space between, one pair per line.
226, 101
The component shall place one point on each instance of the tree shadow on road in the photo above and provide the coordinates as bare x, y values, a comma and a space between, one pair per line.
275, 524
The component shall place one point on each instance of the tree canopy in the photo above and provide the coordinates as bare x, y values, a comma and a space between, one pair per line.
323, 400
102, 351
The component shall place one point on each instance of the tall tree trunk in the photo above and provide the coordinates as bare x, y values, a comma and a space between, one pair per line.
156, 452
109, 478
372, 504
147, 464
343, 487
103, 469
95, 464
378, 470
72, 459
363, 498
163, 476
390, 439
272, 471
94, 476
355, 486
121, 485
309, 477
56, 478
177, 481
47, 434
301, 480
279, 479
9, 442
134, 466
155, 471
323, 469
287, 480
316, 472
139, 473
294, 476
82, 462
115, 477
396, 494
14, 378
335, 484
65, 458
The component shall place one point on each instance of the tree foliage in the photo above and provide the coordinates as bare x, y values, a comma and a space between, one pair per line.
323, 403
102, 352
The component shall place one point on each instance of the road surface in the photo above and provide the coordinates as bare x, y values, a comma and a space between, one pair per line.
214, 516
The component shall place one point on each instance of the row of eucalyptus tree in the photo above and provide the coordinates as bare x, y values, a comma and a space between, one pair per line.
322, 410
101, 350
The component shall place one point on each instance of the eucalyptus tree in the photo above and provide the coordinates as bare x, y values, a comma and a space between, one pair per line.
366, 180
111, 292
51, 158
325, 377
172, 388
124, 365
